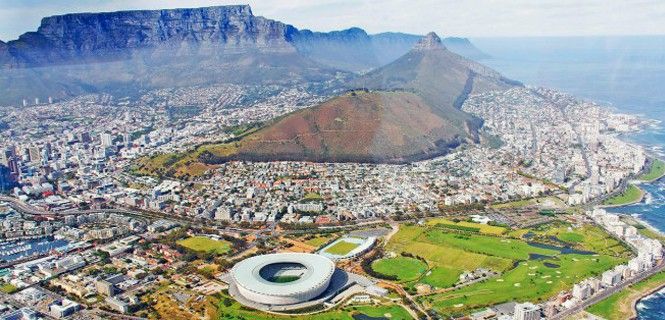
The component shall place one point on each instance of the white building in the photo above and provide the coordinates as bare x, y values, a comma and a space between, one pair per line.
527, 311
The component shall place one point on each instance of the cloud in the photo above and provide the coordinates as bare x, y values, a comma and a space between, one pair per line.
462, 18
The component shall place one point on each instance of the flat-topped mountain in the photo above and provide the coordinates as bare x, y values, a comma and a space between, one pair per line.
128, 52
93, 37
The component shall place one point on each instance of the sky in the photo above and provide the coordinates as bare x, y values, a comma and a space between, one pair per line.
468, 18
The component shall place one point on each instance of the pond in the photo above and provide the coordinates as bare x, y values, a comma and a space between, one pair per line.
562, 250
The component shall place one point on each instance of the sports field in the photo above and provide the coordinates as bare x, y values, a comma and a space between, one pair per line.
404, 268
342, 248
205, 244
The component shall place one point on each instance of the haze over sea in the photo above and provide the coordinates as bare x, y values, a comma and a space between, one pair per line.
627, 73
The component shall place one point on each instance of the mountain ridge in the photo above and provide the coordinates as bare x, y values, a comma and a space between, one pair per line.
129, 52
406, 111
77, 38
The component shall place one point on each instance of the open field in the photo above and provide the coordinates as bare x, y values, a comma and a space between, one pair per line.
182, 165
205, 244
535, 280
228, 309
8, 288
441, 277
342, 248
404, 268
656, 171
544, 202
482, 228
632, 194
529, 272
414, 239
620, 305
318, 241
499, 247
587, 237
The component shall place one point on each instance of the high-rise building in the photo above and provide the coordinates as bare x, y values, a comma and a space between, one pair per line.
5, 156
107, 139
35, 154
527, 311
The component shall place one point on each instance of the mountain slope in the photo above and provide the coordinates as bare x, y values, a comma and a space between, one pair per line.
443, 78
410, 113
127, 52
356, 51
384, 127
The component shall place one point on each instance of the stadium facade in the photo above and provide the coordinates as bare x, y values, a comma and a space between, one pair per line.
283, 278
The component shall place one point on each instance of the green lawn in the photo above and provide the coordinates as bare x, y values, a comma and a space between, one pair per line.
404, 268
413, 239
449, 253
571, 237
8, 288
284, 279
482, 228
319, 240
342, 248
619, 305
587, 237
234, 311
205, 244
499, 247
530, 281
632, 194
656, 171
441, 277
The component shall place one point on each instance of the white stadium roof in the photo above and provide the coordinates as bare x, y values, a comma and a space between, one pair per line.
313, 280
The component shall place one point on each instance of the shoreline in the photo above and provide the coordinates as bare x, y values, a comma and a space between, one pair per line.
641, 297
646, 224
636, 201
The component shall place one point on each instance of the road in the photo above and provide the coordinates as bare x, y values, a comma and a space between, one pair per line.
606, 293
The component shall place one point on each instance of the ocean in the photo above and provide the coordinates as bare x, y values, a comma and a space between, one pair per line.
625, 73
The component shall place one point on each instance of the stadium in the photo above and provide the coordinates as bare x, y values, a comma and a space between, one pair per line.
282, 279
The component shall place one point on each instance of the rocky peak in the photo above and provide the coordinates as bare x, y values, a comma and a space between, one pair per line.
429, 42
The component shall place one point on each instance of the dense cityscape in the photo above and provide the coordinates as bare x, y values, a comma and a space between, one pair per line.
228, 166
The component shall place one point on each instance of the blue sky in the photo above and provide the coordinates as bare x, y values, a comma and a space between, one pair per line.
471, 18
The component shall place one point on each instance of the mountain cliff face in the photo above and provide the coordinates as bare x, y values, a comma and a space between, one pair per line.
129, 52
91, 37
96, 37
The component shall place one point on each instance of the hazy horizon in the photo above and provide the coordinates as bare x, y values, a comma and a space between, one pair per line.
473, 19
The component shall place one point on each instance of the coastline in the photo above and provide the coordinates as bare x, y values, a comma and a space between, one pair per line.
636, 201
646, 224
645, 294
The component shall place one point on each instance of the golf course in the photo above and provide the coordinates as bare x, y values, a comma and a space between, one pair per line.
528, 268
